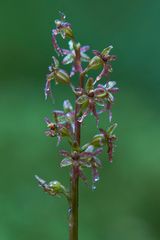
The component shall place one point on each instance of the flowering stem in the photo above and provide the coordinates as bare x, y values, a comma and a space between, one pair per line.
74, 180
73, 211
67, 123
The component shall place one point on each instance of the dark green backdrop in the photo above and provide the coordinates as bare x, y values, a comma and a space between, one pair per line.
126, 204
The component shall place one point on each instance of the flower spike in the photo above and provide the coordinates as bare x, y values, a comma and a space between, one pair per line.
91, 97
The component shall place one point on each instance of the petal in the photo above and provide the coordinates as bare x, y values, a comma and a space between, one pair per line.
111, 129
113, 90
82, 99
78, 91
66, 51
47, 121
47, 89
89, 85
97, 161
50, 133
82, 176
59, 117
98, 139
67, 106
111, 58
97, 53
54, 42
65, 153
68, 59
70, 43
98, 151
66, 162
92, 108
56, 62
59, 139
83, 108
84, 49
83, 116
102, 131
73, 71
85, 57
110, 84
103, 73
106, 51
110, 97
58, 113
86, 154
89, 149
110, 150
100, 92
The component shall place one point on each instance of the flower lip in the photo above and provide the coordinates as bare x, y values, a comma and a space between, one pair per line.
91, 94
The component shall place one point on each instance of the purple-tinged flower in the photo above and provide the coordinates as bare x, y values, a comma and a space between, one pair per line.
57, 129
104, 138
86, 100
66, 117
106, 58
102, 96
71, 56
59, 75
64, 29
101, 59
80, 159
109, 88
109, 139
63, 125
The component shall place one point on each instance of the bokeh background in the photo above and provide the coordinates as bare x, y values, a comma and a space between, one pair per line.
126, 204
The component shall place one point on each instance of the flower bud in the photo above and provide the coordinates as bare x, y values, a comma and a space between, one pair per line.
61, 76
56, 187
68, 32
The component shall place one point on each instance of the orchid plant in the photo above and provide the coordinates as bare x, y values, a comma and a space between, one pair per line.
91, 97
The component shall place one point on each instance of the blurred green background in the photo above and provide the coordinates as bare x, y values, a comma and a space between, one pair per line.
126, 204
